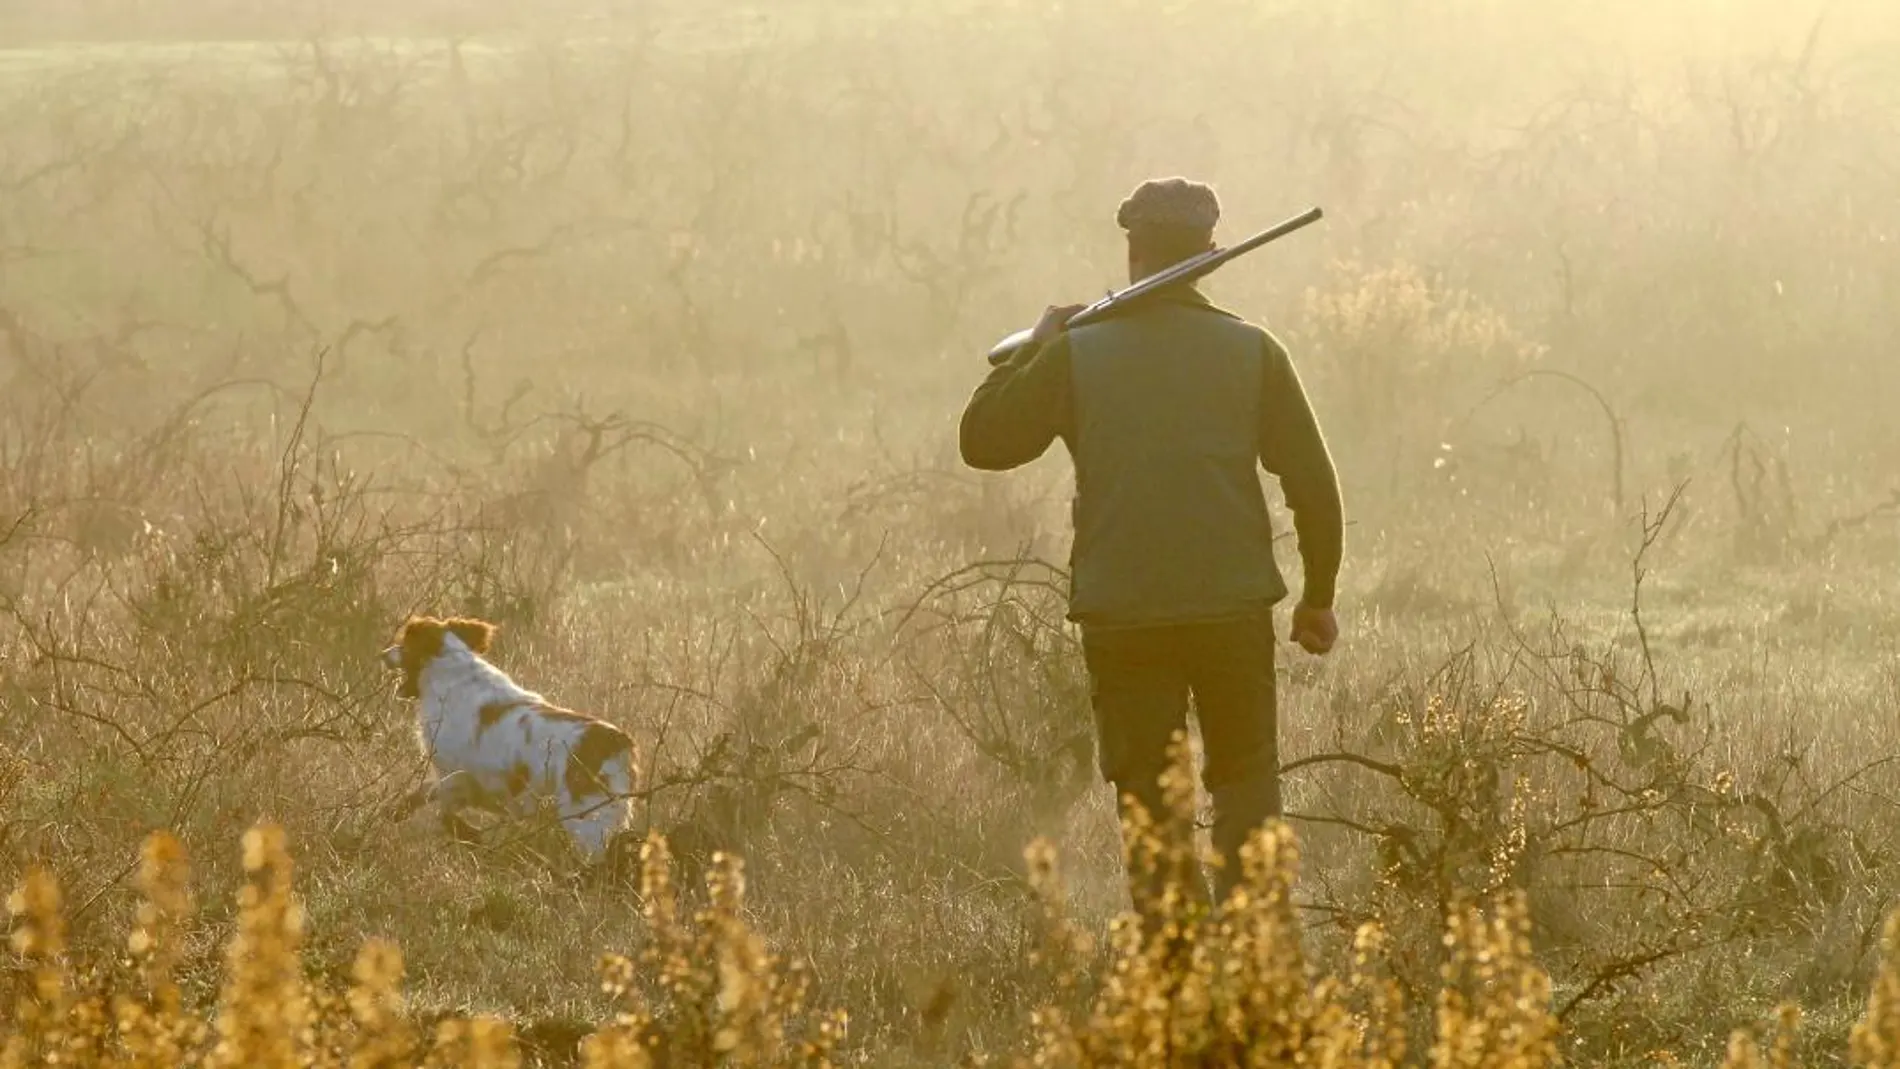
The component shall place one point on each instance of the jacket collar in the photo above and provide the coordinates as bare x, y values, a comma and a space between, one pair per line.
1187, 295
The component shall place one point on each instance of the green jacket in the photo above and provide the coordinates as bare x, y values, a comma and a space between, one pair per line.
1169, 409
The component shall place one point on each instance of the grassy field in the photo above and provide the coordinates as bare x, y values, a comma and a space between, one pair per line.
647, 340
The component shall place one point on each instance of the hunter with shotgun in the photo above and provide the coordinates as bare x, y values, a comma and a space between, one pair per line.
1169, 406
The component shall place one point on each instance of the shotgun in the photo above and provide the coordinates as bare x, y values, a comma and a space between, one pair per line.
1185, 271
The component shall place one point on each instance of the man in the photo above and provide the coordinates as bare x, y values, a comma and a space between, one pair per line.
1166, 408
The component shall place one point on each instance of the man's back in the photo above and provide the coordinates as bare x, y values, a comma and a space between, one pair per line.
1171, 523
1166, 410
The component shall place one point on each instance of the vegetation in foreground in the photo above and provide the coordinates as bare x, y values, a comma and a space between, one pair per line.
1192, 986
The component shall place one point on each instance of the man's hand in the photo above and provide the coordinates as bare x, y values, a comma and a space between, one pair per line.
1053, 319
1315, 629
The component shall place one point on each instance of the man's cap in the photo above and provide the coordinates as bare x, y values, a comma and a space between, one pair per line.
1176, 205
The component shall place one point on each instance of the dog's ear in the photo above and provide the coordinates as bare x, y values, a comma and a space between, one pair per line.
475, 634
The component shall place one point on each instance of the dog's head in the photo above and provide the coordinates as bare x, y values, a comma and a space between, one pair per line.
421, 640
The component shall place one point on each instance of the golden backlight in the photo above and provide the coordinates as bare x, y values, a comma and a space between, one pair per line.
642, 327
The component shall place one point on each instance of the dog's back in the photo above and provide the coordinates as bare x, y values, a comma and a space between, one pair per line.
555, 752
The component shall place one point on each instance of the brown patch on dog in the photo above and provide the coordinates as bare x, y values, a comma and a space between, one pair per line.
555, 712
518, 778
491, 714
600, 742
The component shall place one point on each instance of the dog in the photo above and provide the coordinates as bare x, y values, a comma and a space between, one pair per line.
496, 745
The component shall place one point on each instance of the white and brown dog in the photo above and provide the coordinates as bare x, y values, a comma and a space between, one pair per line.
498, 746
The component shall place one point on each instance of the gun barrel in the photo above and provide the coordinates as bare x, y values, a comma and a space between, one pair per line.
1185, 271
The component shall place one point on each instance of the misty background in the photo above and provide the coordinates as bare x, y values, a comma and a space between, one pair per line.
643, 329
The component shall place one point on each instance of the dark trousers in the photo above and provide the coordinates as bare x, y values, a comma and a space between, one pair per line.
1141, 682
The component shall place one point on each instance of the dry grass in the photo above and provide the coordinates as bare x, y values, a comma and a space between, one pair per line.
1196, 987
646, 340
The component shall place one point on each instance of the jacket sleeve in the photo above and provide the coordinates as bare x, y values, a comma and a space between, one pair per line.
1293, 449
1018, 410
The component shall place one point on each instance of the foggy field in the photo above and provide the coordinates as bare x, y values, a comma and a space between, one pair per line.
644, 331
